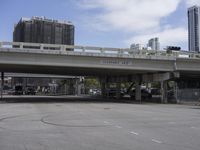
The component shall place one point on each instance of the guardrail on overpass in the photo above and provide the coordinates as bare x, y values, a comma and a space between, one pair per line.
94, 51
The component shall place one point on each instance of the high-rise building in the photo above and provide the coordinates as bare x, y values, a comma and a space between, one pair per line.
154, 44
194, 28
43, 30
137, 46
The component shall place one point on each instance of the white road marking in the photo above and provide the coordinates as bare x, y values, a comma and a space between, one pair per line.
156, 141
171, 122
134, 133
193, 127
119, 127
106, 122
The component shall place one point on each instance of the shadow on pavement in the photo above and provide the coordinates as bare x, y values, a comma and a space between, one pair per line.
70, 99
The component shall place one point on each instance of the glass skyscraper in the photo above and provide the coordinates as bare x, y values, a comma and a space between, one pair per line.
194, 28
154, 44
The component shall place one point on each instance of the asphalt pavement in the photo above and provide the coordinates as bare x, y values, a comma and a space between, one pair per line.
98, 126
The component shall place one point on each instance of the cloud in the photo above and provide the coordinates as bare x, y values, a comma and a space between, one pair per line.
169, 36
192, 2
129, 15
140, 20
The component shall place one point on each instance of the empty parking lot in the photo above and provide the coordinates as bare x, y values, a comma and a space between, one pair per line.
98, 126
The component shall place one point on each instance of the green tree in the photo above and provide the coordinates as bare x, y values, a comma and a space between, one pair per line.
91, 83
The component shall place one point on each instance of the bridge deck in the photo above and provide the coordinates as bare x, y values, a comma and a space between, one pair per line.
87, 60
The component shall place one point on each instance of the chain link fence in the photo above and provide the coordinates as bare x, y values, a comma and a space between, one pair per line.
188, 95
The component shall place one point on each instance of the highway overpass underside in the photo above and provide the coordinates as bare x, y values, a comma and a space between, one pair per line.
75, 71
114, 75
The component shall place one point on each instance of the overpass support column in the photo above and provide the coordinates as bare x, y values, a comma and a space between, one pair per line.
176, 89
24, 83
138, 96
65, 89
103, 82
72, 88
103, 89
78, 86
118, 94
164, 92
2, 84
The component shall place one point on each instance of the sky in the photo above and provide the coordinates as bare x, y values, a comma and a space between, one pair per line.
107, 23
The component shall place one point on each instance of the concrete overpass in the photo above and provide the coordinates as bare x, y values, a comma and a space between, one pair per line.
84, 61
146, 65
29, 75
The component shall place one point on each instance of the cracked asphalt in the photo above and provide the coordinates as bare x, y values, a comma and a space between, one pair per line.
98, 126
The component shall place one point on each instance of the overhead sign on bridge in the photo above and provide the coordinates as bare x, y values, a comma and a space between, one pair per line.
116, 62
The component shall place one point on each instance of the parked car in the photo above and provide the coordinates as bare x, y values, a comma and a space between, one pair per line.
145, 94
18, 90
155, 91
112, 92
11, 92
95, 92
30, 91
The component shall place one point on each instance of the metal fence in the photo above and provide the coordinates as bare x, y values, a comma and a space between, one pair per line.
97, 51
188, 95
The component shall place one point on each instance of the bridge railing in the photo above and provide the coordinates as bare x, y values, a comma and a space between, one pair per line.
98, 51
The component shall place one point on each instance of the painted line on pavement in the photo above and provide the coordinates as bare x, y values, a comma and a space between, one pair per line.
156, 141
171, 122
119, 127
135, 133
193, 127
106, 122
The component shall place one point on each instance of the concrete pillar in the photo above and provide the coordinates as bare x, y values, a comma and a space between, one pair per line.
138, 95
164, 92
41, 46
103, 89
12, 82
2, 84
21, 45
77, 86
104, 85
176, 92
24, 84
71, 89
82, 86
118, 87
65, 89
